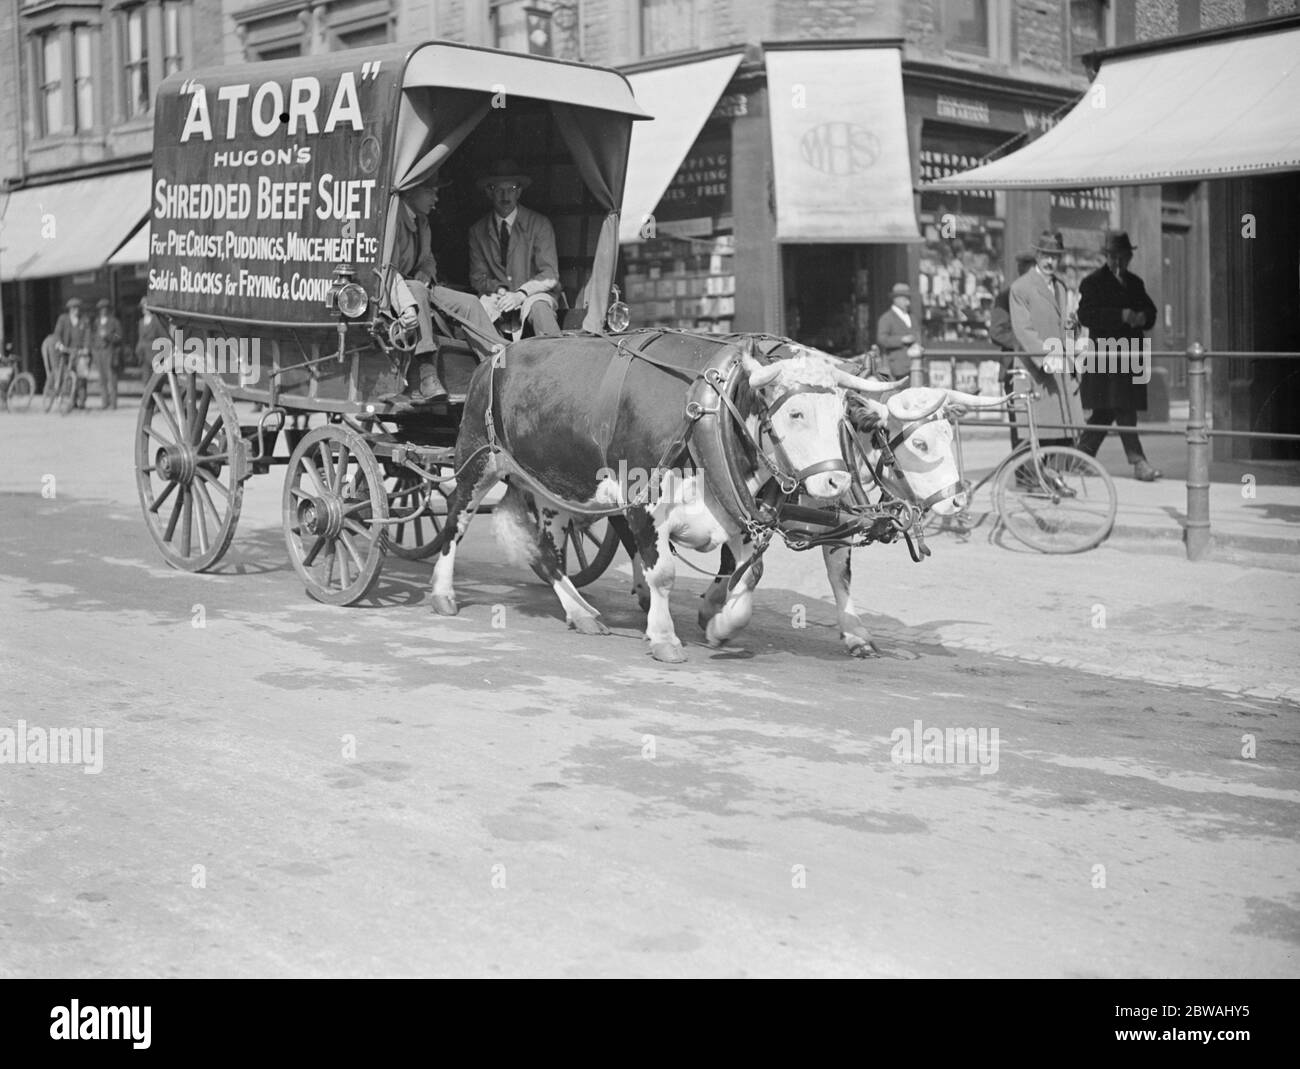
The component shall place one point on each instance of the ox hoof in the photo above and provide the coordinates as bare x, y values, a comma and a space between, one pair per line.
869, 650
587, 625
667, 652
444, 605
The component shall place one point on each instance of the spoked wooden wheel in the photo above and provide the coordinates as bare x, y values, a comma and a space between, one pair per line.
334, 508
21, 392
189, 467
412, 540
586, 550
1065, 504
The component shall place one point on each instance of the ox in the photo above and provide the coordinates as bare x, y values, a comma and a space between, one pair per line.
926, 471
554, 416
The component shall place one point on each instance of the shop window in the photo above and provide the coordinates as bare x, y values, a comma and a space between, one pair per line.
966, 26
363, 36
173, 52
669, 26
49, 50
83, 84
1087, 30
138, 95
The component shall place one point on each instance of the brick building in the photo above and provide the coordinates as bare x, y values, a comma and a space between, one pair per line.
76, 84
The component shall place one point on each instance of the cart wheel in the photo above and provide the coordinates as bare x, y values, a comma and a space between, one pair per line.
587, 550
413, 540
1070, 507
21, 391
188, 465
333, 493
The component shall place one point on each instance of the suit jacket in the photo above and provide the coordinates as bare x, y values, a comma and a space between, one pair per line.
72, 336
1038, 316
412, 253
1000, 332
1102, 300
534, 266
105, 337
890, 331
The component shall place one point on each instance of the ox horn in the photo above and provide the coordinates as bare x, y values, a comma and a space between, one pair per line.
970, 400
860, 385
760, 375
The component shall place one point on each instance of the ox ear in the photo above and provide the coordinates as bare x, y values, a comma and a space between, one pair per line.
970, 400
861, 385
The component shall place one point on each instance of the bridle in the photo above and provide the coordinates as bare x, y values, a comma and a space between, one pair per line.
939, 412
789, 481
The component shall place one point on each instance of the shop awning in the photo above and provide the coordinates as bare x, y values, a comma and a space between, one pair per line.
839, 146
70, 227
1223, 109
136, 249
680, 99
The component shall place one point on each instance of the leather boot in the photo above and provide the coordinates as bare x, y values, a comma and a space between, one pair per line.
430, 389
1144, 472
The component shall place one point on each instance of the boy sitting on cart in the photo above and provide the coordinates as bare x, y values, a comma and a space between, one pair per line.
414, 287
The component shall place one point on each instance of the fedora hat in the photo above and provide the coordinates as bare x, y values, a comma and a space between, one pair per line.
1049, 241
73, 302
901, 289
1117, 241
504, 171
103, 302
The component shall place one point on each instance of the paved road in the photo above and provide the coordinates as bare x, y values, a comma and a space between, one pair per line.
294, 789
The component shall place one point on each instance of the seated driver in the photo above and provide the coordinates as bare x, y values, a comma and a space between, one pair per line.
512, 260
415, 286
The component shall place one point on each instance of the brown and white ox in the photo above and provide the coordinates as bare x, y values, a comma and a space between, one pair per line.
926, 471
551, 440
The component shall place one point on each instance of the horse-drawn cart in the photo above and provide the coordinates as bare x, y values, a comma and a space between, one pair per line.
275, 192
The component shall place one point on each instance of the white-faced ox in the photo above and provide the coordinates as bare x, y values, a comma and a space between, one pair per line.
548, 421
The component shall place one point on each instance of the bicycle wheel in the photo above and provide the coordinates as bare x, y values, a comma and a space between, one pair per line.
51, 392
21, 391
1064, 504
67, 392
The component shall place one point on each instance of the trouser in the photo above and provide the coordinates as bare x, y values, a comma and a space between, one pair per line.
107, 378
462, 307
1090, 441
542, 318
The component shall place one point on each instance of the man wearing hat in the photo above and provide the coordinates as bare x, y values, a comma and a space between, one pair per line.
894, 331
512, 260
414, 287
150, 331
72, 339
1038, 319
1114, 306
1004, 337
105, 343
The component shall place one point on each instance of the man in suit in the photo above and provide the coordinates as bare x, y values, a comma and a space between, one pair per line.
1114, 306
1038, 320
72, 340
512, 260
105, 343
894, 331
414, 288
1004, 337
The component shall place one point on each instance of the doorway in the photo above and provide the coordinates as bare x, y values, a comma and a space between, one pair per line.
827, 297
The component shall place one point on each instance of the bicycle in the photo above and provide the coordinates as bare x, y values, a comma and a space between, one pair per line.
72, 369
17, 388
1054, 498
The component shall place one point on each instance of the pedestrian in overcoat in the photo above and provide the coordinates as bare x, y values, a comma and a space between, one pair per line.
1038, 318
105, 345
1114, 306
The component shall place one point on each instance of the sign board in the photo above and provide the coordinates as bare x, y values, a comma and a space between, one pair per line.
265, 178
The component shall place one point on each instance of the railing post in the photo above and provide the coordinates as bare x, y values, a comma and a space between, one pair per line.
916, 372
1198, 457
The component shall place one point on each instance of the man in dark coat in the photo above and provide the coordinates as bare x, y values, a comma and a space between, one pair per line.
1004, 337
1114, 306
105, 343
895, 332
150, 331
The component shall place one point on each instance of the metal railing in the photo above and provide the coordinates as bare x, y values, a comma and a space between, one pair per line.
1197, 433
